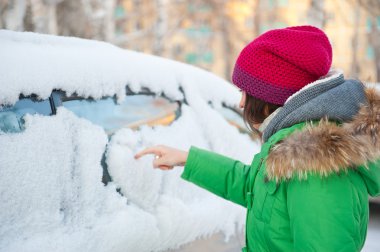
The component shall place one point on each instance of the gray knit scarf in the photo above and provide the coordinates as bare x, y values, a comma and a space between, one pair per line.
332, 97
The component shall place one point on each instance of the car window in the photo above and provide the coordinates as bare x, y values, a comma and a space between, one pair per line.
134, 111
11, 117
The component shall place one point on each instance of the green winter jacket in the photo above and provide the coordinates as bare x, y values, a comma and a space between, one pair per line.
307, 189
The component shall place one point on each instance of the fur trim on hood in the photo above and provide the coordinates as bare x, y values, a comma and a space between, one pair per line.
326, 147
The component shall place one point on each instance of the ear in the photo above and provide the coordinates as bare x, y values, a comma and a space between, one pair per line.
243, 99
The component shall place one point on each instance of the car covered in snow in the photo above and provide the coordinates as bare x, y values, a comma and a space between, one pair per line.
73, 112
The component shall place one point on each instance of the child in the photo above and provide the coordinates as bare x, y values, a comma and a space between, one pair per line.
307, 189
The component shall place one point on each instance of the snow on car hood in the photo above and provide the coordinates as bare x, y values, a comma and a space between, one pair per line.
50, 174
34, 63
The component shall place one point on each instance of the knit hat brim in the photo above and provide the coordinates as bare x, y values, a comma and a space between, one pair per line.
262, 90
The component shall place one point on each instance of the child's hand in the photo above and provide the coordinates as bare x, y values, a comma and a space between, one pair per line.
165, 157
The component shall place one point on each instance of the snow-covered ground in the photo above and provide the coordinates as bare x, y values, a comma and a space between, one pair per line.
52, 197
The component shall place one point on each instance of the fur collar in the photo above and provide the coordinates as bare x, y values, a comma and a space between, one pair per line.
326, 148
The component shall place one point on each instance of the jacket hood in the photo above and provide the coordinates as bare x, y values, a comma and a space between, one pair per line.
326, 147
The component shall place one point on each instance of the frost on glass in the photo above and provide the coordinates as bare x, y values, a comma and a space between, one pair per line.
134, 111
11, 117
9, 123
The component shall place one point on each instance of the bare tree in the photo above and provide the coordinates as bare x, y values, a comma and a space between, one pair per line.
12, 14
161, 26
83, 18
225, 30
166, 19
224, 24
372, 7
317, 14
355, 67
3, 10
257, 18
374, 40
88, 19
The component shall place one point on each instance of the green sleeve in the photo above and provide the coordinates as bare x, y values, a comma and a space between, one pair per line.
323, 215
218, 174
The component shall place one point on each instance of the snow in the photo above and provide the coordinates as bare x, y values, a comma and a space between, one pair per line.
62, 204
189, 205
38, 63
50, 173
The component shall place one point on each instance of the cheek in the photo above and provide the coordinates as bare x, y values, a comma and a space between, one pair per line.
242, 101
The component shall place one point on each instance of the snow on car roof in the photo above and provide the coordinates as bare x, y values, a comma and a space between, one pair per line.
34, 63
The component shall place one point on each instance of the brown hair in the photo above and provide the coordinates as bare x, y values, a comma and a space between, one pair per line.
256, 110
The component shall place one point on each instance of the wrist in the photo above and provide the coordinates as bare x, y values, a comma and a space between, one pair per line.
183, 158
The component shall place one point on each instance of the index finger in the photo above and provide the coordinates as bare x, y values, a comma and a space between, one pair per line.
150, 150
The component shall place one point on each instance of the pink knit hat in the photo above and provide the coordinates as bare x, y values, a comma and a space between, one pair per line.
280, 62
